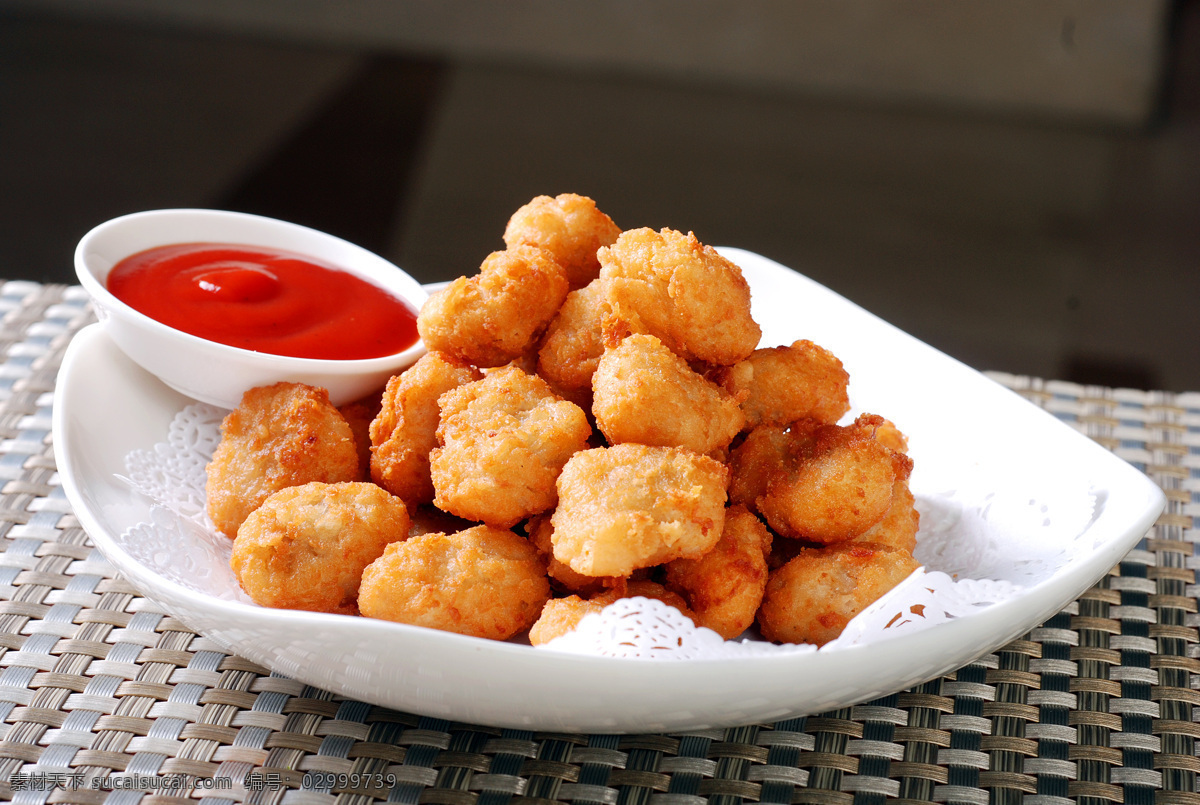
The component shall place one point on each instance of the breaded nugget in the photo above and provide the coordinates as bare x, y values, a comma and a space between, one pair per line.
835, 485
630, 506
826, 483
503, 441
782, 384
891, 437
562, 577
574, 343
306, 546
814, 596
486, 582
724, 587
898, 528
756, 461
559, 616
500, 313
562, 615
569, 227
405, 430
645, 393
282, 435
672, 286
359, 415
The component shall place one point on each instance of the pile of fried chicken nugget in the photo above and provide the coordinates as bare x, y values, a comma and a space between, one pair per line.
593, 420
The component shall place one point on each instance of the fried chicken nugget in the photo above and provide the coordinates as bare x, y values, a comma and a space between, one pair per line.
485, 582
782, 384
562, 615
405, 430
756, 461
891, 437
282, 435
834, 485
573, 344
503, 441
641, 375
306, 546
898, 528
724, 587
568, 226
498, 314
674, 287
814, 596
562, 577
630, 506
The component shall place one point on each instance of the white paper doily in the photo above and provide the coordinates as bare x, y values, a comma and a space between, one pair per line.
985, 534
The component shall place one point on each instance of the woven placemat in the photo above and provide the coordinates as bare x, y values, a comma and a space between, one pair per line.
105, 697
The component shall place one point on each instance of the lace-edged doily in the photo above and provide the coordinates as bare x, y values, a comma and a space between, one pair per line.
172, 474
180, 542
985, 535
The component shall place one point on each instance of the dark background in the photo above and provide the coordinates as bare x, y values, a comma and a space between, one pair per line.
1058, 245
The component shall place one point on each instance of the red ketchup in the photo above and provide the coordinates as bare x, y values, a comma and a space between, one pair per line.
265, 300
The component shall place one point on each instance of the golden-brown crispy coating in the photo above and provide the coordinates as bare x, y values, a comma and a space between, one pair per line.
825, 483
724, 587
645, 393
631, 506
500, 313
672, 286
898, 528
559, 616
814, 596
405, 429
891, 437
504, 440
282, 435
756, 461
562, 615
359, 415
647, 334
574, 343
485, 582
306, 546
782, 384
835, 485
568, 226
562, 577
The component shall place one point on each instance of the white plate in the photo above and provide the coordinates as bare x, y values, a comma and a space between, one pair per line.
957, 420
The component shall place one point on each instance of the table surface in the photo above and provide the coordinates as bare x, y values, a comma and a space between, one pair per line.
105, 697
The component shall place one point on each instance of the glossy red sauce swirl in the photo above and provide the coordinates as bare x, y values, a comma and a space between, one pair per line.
265, 300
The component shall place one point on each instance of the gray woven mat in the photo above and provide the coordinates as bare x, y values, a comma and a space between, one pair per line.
100, 689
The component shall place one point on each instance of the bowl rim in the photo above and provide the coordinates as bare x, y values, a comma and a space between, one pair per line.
408, 290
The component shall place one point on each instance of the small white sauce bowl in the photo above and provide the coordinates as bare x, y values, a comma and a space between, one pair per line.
216, 373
